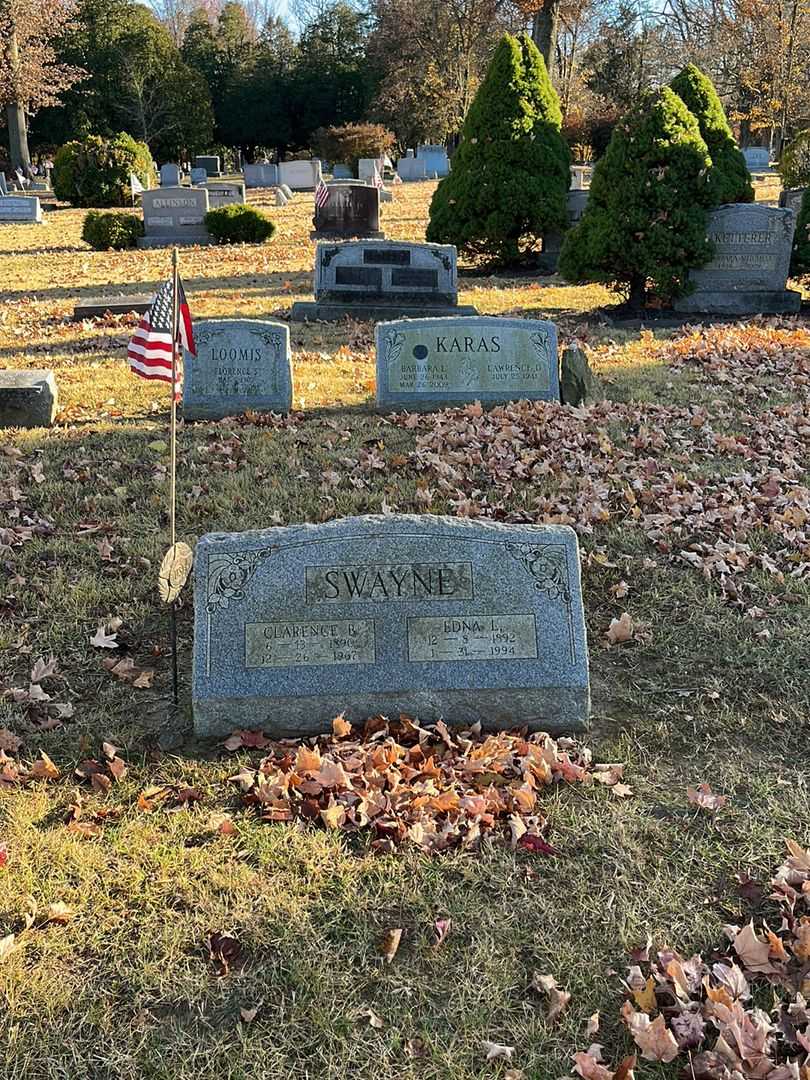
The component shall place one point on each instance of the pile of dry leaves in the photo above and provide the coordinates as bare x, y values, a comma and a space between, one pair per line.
432, 788
705, 1013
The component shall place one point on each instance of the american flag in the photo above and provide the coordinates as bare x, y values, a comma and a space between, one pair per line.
321, 195
150, 350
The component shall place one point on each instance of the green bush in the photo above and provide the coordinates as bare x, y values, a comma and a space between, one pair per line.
645, 220
236, 224
349, 143
111, 230
511, 172
729, 179
96, 171
800, 257
794, 166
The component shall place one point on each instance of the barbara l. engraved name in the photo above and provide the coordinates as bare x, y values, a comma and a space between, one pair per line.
390, 581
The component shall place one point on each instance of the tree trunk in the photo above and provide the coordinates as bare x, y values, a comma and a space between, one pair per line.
637, 295
18, 139
545, 29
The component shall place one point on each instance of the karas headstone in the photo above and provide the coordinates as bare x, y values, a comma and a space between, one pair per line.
749, 270
242, 365
432, 363
28, 398
435, 158
791, 199
435, 617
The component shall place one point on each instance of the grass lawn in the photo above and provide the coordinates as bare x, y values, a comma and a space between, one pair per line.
688, 485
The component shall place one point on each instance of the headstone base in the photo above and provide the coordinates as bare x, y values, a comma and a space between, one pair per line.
556, 710
174, 241
28, 399
372, 234
326, 311
731, 302
116, 305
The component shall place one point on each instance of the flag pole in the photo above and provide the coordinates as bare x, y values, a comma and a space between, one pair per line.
173, 460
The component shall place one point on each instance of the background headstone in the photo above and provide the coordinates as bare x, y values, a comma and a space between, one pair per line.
287, 190
209, 162
300, 175
225, 193
174, 216
20, 208
241, 365
352, 209
261, 176
749, 270
198, 176
170, 175
3, 184
366, 167
757, 158
342, 172
577, 201
28, 398
791, 199
576, 378
437, 163
425, 364
411, 168
435, 617
281, 198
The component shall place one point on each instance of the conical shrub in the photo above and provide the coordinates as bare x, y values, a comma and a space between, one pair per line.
511, 172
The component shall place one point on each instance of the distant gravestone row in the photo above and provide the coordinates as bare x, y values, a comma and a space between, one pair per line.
439, 618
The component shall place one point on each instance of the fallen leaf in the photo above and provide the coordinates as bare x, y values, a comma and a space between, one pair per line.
593, 1025
224, 951
341, 727
441, 928
43, 669
656, 1042
645, 999
102, 640
704, 798
495, 1050
754, 953
621, 629
9, 742
249, 1015
6, 946
59, 912
589, 1067
43, 768
390, 944
373, 1019
558, 1001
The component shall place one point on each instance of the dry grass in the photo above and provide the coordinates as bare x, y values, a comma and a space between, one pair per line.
124, 990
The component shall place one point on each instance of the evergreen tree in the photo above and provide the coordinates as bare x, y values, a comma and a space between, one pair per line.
800, 257
646, 215
511, 172
729, 179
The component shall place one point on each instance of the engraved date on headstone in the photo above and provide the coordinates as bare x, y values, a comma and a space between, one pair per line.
302, 644
484, 637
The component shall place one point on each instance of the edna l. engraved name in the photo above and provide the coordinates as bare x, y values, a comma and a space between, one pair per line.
390, 581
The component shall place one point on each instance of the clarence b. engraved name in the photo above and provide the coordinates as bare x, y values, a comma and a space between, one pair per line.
390, 581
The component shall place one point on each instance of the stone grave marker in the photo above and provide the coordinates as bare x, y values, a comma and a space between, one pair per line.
342, 172
577, 201
209, 162
28, 398
437, 163
411, 167
352, 209
757, 158
366, 167
198, 176
3, 184
287, 191
225, 193
170, 175
435, 617
791, 199
261, 175
300, 175
20, 208
425, 364
382, 279
241, 365
95, 306
174, 216
281, 198
749, 270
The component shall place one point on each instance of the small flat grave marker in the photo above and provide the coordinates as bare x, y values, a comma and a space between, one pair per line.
28, 398
241, 365
431, 616
432, 363
20, 208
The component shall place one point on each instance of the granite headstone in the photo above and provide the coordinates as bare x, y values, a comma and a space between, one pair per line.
434, 617
242, 365
174, 216
791, 199
425, 364
351, 210
225, 193
170, 175
300, 175
749, 270
411, 167
342, 172
383, 279
757, 158
28, 398
209, 162
198, 176
437, 163
261, 175
20, 208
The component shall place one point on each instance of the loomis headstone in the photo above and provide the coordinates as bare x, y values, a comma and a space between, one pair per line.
350, 210
242, 365
431, 616
748, 272
431, 363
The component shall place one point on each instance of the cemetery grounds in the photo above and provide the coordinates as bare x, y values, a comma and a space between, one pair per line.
689, 487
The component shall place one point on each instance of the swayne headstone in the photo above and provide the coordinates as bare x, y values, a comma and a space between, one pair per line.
748, 272
241, 365
435, 617
431, 363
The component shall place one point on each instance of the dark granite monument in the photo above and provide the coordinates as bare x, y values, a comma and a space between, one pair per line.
351, 211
